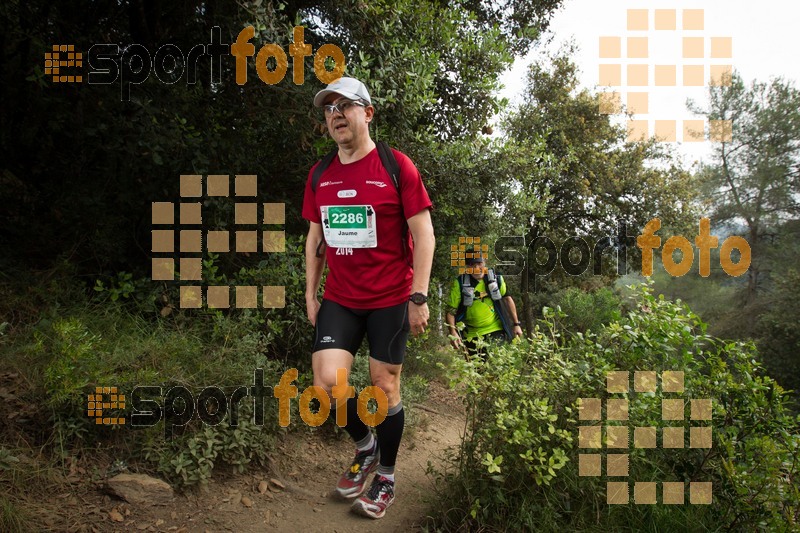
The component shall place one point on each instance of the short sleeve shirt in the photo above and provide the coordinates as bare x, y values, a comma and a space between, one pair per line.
371, 277
481, 318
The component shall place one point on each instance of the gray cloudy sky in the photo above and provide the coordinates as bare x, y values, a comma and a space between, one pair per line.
764, 38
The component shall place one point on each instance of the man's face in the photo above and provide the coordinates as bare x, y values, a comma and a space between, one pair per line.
351, 126
477, 269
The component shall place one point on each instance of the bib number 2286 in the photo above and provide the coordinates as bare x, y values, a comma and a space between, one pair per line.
349, 226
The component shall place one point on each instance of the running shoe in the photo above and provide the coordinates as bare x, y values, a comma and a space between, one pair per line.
354, 479
377, 499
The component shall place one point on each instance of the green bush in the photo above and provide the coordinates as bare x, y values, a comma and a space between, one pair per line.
517, 467
586, 310
78, 347
190, 458
131, 334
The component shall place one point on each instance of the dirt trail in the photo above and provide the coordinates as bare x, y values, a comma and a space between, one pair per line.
309, 463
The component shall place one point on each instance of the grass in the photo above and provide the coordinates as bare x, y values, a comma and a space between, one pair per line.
13, 519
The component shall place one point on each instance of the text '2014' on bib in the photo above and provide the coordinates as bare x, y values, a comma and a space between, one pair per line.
349, 226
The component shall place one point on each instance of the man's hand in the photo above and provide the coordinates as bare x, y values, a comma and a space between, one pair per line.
418, 317
312, 309
456, 342
517, 331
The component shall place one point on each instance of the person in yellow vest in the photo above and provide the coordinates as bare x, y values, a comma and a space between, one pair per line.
479, 300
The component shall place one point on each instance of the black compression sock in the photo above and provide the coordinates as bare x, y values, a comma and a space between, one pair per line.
390, 431
357, 429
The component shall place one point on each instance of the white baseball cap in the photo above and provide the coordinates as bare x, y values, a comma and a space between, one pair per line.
348, 87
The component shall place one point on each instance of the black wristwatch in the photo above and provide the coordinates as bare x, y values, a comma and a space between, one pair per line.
418, 298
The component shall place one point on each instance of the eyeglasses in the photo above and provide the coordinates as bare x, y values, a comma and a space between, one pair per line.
341, 107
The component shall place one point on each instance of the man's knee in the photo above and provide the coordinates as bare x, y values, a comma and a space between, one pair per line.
390, 385
325, 377
331, 374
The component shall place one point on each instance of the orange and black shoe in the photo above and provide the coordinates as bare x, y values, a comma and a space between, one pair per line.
354, 479
377, 499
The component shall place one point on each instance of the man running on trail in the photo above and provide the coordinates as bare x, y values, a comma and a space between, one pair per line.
377, 279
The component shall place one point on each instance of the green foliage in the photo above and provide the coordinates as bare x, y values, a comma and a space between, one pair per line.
582, 179
716, 299
290, 333
13, 519
589, 178
432, 69
123, 286
79, 344
522, 406
770, 319
779, 331
65, 357
586, 311
190, 459
74, 364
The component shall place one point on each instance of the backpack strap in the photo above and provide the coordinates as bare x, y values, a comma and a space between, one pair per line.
500, 305
323, 165
388, 160
491, 277
389, 163
463, 281
393, 169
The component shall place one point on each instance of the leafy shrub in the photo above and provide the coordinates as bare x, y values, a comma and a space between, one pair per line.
586, 310
516, 468
190, 459
67, 356
121, 338
123, 286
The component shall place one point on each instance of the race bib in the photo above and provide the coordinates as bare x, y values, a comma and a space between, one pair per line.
349, 226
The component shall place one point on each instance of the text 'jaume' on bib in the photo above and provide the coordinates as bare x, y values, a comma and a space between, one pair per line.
349, 226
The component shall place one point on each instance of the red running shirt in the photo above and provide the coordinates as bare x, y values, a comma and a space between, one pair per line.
369, 278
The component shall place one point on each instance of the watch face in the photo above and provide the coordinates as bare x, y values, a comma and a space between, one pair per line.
418, 298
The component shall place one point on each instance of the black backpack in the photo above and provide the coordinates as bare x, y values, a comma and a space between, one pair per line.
389, 163
465, 281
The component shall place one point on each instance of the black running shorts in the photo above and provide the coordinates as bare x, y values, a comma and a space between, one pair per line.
343, 328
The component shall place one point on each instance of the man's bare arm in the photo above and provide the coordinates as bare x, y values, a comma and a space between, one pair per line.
314, 267
421, 228
451, 324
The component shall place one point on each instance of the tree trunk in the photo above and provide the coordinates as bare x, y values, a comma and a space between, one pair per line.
528, 284
526, 300
754, 270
